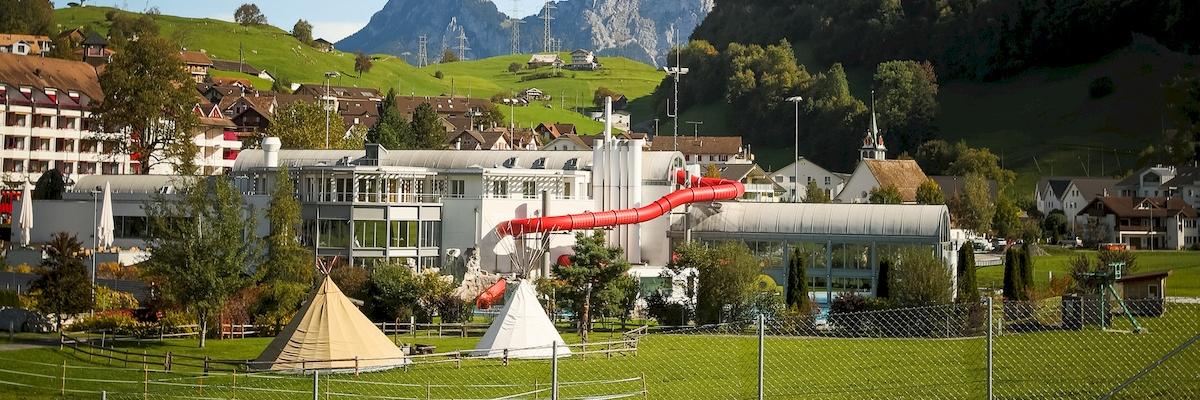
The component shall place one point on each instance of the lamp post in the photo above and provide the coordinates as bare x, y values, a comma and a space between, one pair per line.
95, 241
512, 118
796, 150
329, 74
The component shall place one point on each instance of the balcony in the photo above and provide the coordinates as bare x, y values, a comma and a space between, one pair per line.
1141, 228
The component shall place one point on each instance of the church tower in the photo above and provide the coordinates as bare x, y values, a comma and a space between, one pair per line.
872, 147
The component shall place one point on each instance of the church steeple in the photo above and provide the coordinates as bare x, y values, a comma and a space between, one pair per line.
873, 147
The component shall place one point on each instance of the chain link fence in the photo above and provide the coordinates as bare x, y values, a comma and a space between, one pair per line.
1074, 347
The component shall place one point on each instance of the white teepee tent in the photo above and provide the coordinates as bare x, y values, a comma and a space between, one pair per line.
329, 333
523, 328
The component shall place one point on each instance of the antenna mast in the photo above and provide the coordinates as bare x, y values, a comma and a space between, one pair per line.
546, 40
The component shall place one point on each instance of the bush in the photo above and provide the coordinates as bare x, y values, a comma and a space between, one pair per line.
352, 280
438, 74
109, 299
667, 312
542, 75
118, 322
848, 302
1101, 87
9, 298
453, 309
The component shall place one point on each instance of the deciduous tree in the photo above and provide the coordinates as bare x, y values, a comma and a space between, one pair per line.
930, 193
449, 56
62, 286
30, 17
907, 102
727, 275
249, 14
919, 278
814, 193
886, 194
287, 272
302, 31
147, 106
362, 64
976, 206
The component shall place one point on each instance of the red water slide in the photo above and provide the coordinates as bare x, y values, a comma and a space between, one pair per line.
700, 190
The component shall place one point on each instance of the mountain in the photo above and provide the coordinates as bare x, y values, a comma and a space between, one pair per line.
637, 29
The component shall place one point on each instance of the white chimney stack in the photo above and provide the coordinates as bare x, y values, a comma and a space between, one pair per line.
607, 119
271, 147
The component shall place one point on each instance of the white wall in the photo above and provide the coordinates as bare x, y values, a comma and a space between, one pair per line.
862, 181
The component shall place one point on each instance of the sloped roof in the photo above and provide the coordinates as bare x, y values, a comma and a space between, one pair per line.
94, 39
341, 92
195, 58
700, 144
736, 172
34, 41
231, 65
45, 72
544, 58
1095, 187
904, 175
1140, 207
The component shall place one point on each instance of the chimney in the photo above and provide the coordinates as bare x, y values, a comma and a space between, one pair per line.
271, 147
607, 119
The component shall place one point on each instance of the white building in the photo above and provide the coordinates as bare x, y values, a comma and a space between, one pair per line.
796, 185
904, 175
24, 45
1144, 223
46, 121
583, 59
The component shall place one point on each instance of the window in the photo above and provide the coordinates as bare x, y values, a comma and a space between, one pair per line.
431, 233
655, 284
792, 179
851, 256
566, 193
828, 180
499, 188
778, 179
1152, 291
333, 233
130, 227
529, 190
404, 234
370, 234
458, 188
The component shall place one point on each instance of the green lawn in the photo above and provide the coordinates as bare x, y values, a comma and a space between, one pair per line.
274, 50
704, 364
1183, 282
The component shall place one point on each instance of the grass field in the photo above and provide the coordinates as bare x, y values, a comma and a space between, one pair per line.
276, 51
700, 364
1183, 282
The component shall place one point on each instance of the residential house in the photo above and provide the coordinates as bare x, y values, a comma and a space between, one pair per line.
24, 45
870, 174
196, 63
457, 113
621, 119
620, 102
531, 94
339, 93
323, 45
1186, 185
704, 150
232, 81
794, 179
583, 60
553, 131
95, 50
242, 67
476, 140
1149, 181
1144, 223
759, 186
544, 60
568, 142
46, 120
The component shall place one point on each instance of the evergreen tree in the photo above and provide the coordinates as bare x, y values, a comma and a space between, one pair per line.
392, 131
968, 292
1026, 270
593, 270
428, 133
62, 286
797, 284
1013, 289
50, 186
814, 193
201, 245
883, 289
287, 273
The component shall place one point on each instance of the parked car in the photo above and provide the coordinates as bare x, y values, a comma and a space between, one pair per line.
1072, 242
981, 246
1000, 242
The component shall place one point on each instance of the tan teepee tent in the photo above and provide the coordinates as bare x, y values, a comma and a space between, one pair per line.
523, 328
329, 333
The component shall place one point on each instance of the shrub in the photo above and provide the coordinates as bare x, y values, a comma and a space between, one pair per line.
848, 302
453, 309
352, 280
542, 75
1101, 87
119, 322
9, 298
438, 74
109, 299
667, 312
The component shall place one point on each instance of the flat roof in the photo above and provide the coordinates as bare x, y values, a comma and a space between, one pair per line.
927, 223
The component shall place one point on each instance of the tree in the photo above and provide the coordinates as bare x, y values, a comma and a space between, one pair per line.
930, 193
448, 56
814, 193
832, 115
593, 269
1056, 225
908, 101
727, 273
301, 125
490, 115
30, 17
980, 161
249, 14
50, 186
797, 283
920, 278
362, 64
281, 85
1013, 288
63, 49
147, 106
62, 286
935, 156
438, 74
514, 67
1007, 218
600, 94
427, 132
124, 27
887, 194
712, 171
968, 292
302, 31
1027, 269
976, 205
1182, 96
392, 131
393, 291
287, 272
884, 290
201, 245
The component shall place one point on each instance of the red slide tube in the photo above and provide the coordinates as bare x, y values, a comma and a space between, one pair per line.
701, 190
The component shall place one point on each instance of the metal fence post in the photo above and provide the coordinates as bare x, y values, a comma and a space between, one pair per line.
990, 323
316, 384
761, 346
554, 371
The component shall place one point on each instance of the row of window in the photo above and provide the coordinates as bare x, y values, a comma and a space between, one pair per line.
528, 189
711, 157
422, 262
792, 179
67, 167
375, 234
12, 142
839, 284
846, 256
47, 122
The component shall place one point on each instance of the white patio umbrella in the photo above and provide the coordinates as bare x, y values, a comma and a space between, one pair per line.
104, 231
26, 221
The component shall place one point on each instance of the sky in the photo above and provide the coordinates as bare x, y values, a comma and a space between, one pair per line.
331, 19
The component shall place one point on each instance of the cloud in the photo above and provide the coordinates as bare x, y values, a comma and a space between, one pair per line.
334, 31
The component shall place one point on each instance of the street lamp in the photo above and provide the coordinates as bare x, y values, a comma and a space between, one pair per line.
796, 150
95, 239
673, 112
329, 74
512, 118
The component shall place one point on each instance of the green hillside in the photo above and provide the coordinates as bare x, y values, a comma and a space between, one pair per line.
274, 50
